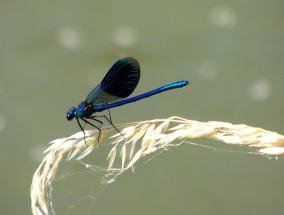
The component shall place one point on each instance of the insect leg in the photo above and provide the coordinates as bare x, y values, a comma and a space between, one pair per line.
86, 121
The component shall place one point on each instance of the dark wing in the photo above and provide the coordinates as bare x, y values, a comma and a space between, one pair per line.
119, 82
122, 78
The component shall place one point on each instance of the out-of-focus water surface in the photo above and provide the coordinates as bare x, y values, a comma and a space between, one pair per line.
53, 52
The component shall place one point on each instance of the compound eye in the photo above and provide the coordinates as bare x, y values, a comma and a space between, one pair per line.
71, 113
69, 117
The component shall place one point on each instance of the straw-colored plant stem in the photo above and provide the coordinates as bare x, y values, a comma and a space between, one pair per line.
143, 138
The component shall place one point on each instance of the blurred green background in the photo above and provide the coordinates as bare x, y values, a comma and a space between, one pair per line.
54, 52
